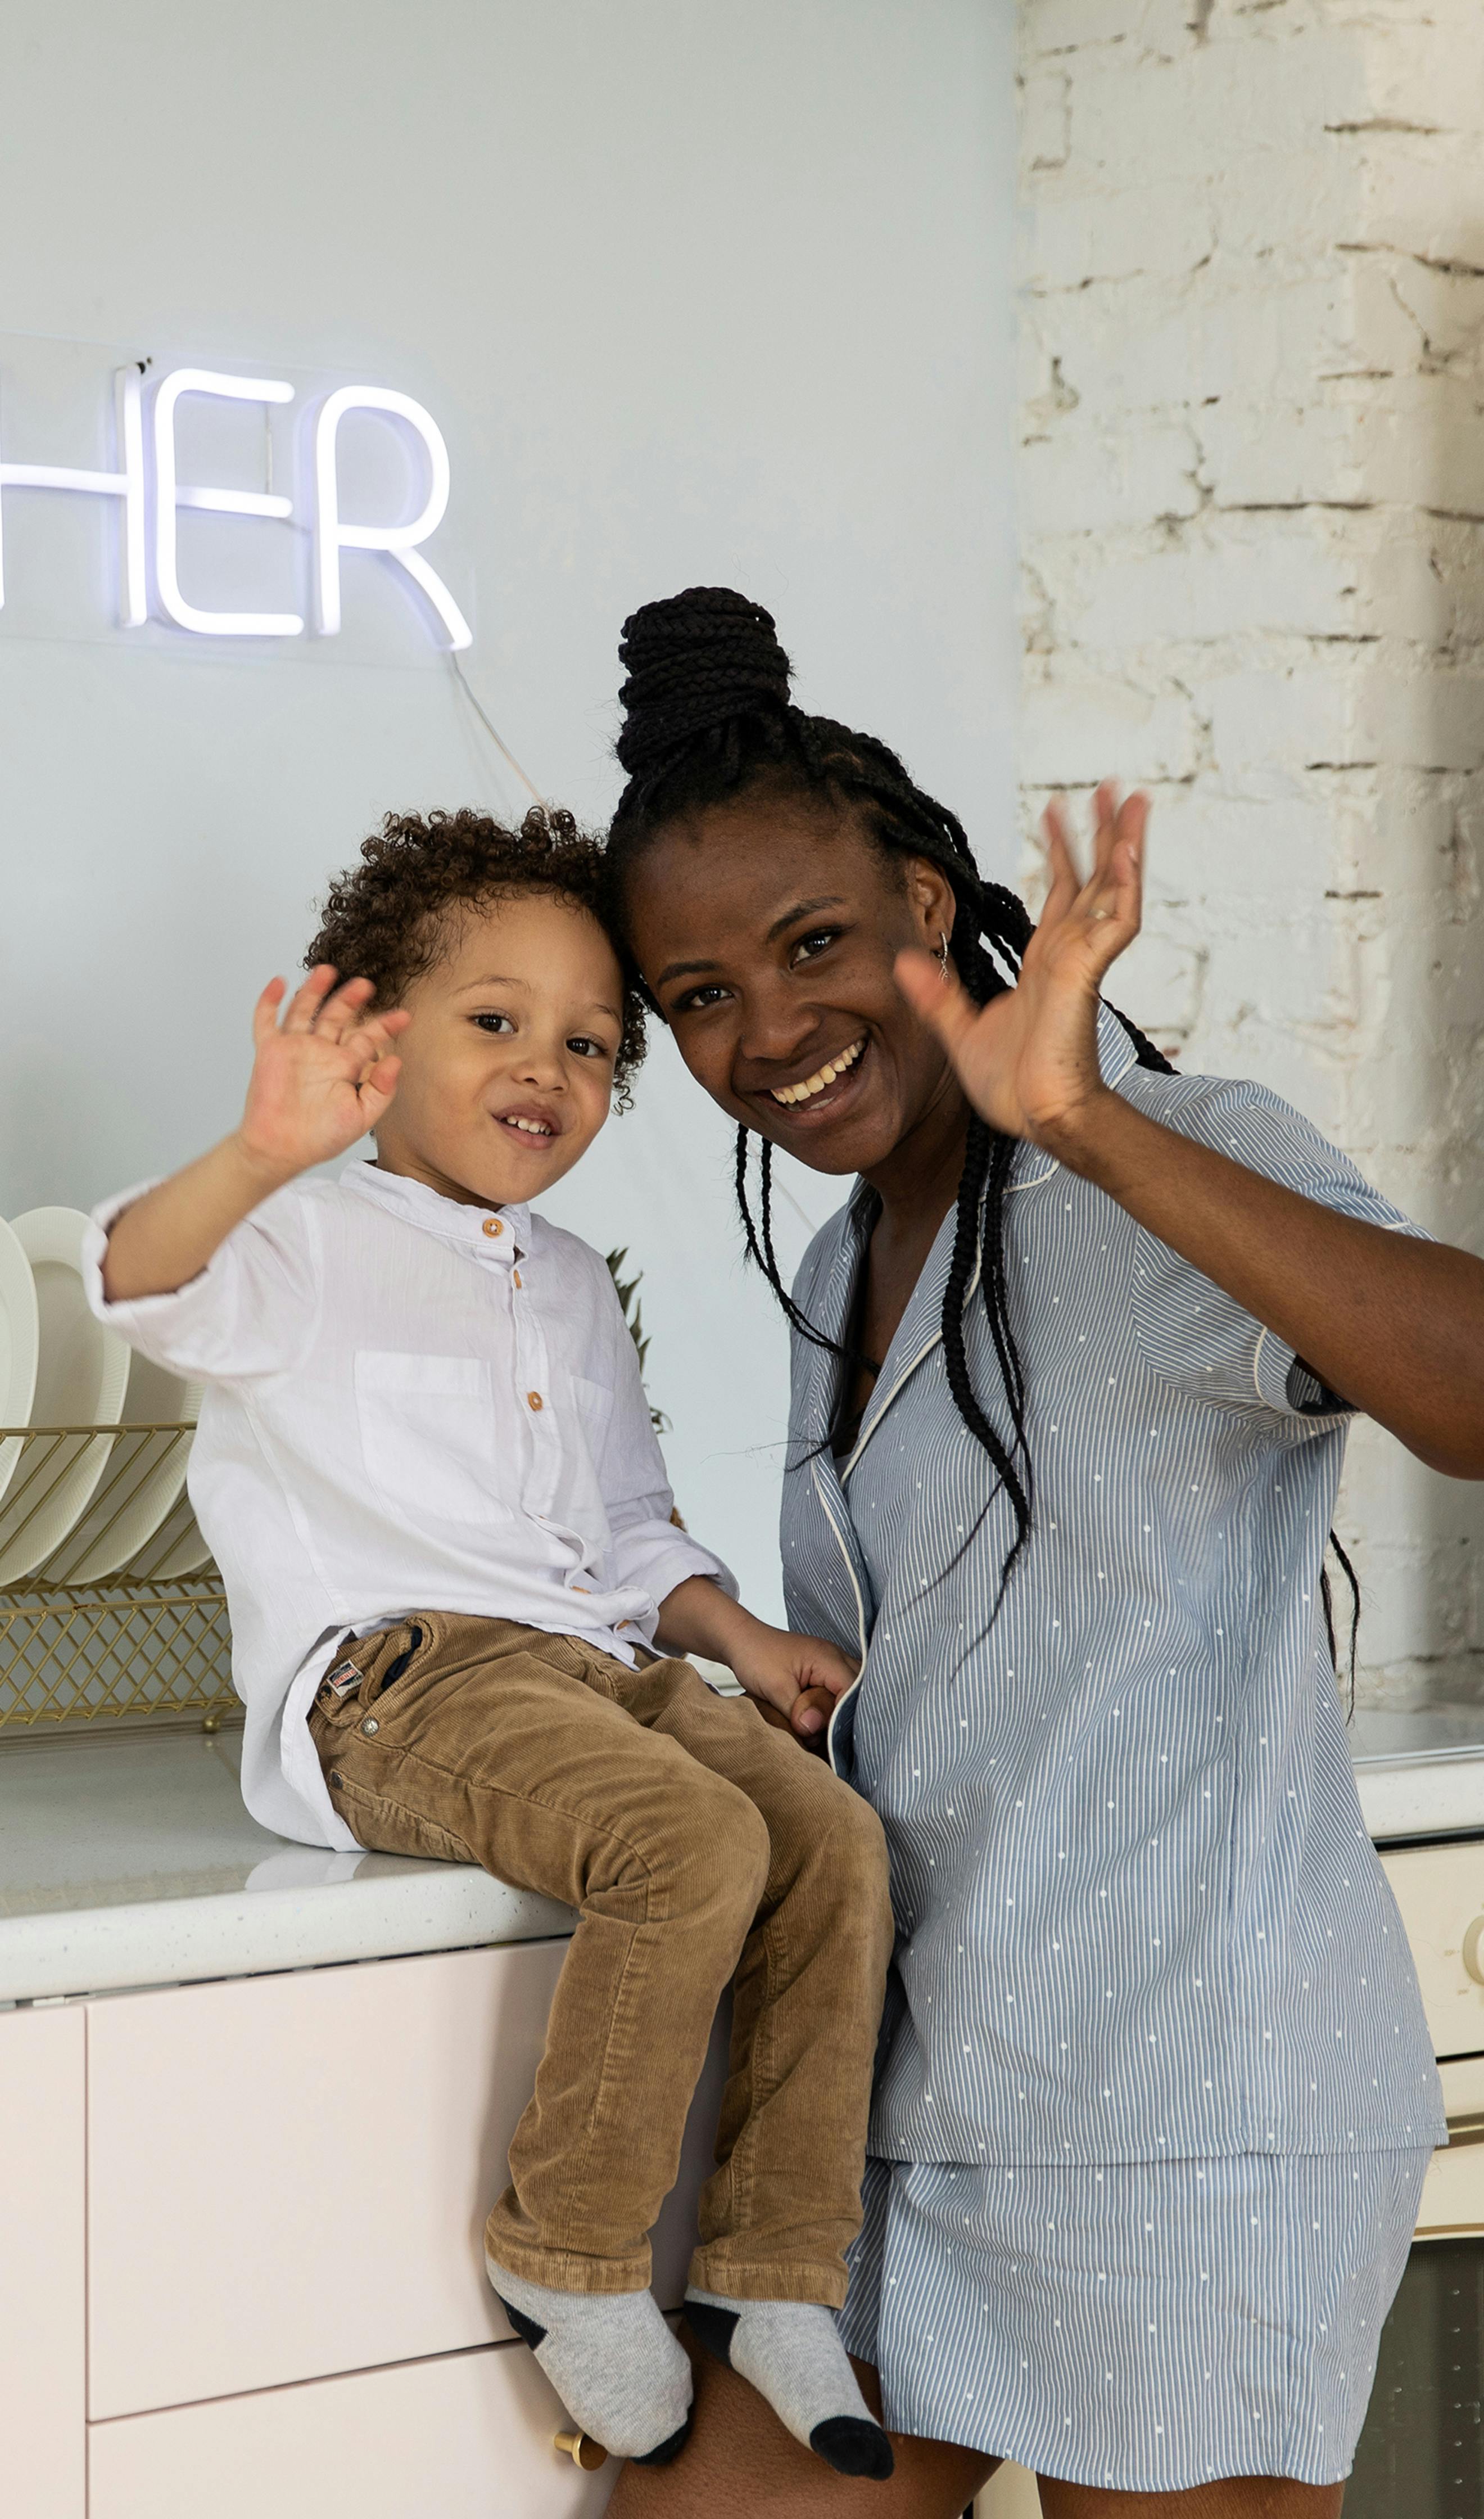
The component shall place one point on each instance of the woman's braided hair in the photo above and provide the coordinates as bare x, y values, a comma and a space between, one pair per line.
706, 714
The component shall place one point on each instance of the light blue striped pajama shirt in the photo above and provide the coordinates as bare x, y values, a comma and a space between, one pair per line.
1155, 2091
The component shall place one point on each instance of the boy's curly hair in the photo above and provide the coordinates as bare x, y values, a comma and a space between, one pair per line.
392, 916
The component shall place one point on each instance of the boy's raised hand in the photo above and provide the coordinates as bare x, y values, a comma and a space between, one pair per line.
322, 1077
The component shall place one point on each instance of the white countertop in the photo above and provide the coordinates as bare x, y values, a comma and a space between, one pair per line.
1420, 1774
129, 1861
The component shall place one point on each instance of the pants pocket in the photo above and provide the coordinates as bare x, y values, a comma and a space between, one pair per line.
385, 1827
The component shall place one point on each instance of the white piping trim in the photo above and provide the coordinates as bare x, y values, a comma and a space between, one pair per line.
905, 1375
841, 1701
1263, 1337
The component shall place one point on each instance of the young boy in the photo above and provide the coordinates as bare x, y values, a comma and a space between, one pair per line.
428, 1468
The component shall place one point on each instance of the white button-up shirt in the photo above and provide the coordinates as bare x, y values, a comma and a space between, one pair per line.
410, 1404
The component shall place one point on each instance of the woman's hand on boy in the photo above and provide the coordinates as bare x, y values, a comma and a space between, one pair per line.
322, 1077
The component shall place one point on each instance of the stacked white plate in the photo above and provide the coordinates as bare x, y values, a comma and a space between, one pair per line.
18, 1340
87, 1505
145, 1480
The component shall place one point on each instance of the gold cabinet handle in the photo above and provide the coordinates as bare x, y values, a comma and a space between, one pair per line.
588, 2455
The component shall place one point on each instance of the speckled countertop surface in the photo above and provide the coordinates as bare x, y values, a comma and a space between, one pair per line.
1420, 1774
129, 1861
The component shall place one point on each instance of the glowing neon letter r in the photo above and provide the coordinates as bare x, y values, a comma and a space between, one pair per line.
399, 543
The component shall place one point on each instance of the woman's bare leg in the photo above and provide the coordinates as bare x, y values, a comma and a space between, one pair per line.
1241, 2497
740, 2463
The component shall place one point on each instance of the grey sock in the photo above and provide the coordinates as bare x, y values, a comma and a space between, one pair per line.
611, 2358
791, 2351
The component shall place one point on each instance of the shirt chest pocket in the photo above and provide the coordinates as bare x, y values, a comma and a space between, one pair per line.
428, 1437
592, 1409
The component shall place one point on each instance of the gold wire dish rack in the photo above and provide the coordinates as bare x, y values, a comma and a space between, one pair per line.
147, 1635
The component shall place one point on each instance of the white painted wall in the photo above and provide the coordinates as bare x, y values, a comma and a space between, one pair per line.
698, 293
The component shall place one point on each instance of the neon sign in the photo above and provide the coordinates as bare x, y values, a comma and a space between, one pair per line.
152, 495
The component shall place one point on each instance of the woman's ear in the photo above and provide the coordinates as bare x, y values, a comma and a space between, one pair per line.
929, 895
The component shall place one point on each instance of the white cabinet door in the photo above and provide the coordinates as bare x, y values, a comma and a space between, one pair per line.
465, 2438
289, 2175
42, 2338
1440, 1891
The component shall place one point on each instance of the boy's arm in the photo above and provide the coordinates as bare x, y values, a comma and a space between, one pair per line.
796, 1679
320, 1080
799, 1675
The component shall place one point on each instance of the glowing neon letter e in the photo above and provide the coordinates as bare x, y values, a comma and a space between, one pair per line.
169, 497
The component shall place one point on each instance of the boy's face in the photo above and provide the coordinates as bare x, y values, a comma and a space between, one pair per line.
507, 1062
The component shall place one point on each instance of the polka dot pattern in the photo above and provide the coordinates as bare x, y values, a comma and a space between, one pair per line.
1146, 2327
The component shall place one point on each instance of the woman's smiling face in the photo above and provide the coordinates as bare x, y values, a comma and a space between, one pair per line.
766, 931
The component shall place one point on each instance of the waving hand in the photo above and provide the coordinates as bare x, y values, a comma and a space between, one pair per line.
1028, 1060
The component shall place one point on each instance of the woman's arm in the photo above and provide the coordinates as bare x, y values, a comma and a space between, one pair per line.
1394, 1324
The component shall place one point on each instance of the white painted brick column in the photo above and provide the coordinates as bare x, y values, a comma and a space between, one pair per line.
1252, 509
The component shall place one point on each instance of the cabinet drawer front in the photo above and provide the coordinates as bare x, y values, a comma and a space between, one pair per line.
289, 2175
467, 2438
43, 2344
1453, 2193
1440, 1890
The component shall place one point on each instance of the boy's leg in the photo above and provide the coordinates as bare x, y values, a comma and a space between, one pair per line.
785, 2201
493, 1741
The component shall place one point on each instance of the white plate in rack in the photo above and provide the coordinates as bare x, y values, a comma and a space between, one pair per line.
176, 1550
143, 1482
82, 1372
18, 1343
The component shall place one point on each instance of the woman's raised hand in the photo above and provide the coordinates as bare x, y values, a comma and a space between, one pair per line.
1028, 1060
322, 1077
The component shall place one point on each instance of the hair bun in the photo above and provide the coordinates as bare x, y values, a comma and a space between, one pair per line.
694, 660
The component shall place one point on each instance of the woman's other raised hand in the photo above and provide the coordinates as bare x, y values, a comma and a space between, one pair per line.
322, 1077
1028, 1060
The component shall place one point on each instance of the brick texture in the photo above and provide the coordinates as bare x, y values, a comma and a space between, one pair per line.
1252, 506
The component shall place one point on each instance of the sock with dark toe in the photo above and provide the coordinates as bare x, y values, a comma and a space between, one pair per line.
791, 2351
611, 2358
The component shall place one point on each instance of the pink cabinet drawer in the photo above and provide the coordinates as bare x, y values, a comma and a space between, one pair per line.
289, 2175
42, 2238
467, 2438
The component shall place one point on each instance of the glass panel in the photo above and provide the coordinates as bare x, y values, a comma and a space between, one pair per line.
1421, 2453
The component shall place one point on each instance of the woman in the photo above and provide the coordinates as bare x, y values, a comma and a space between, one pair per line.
1072, 1375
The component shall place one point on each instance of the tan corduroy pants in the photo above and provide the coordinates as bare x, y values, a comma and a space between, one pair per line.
699, 1845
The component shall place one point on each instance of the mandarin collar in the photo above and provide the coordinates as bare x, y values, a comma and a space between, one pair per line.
495, 1233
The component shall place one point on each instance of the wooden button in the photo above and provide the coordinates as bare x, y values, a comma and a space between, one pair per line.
493, 1228
515, 1273
534, 1400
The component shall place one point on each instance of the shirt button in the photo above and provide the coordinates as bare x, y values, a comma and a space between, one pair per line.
534, 1400
370, 1724
493, 1228
515, 1273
